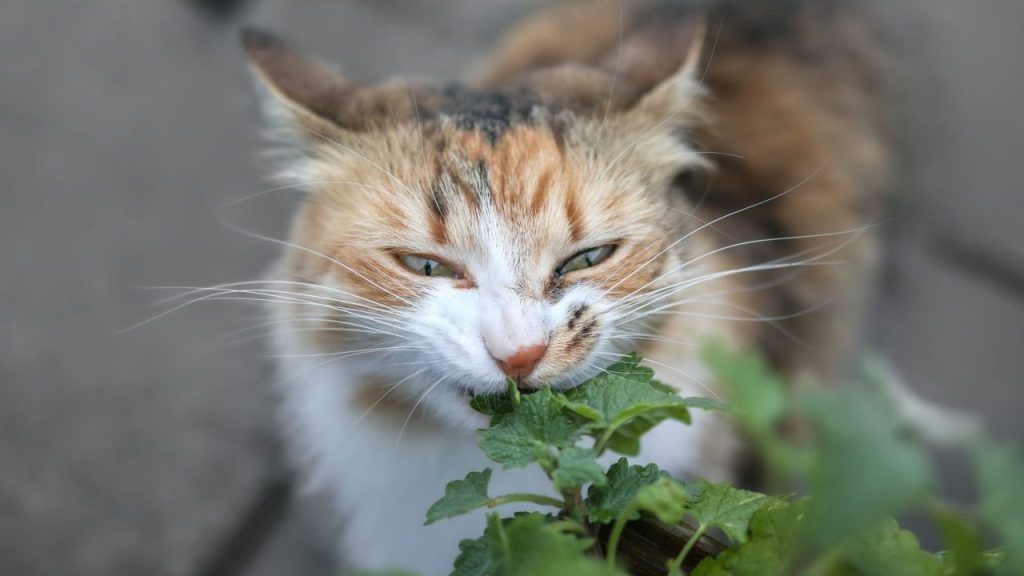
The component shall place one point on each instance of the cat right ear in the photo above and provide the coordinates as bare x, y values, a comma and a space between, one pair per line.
300, 93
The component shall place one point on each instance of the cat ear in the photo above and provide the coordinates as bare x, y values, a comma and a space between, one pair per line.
672, 97
299, 92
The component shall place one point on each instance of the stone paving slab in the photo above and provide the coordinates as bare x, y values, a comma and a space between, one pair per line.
125, 128
964, 78
122, 454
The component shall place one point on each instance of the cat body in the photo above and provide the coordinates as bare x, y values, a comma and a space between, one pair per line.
587, 195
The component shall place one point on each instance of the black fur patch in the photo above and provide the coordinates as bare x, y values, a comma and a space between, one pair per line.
575, 316
491, 113
484, 191
585, 333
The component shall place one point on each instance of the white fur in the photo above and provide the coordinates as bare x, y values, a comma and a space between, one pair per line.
380, 485
380, 475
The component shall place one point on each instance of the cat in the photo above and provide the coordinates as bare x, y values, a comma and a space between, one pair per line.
622, 175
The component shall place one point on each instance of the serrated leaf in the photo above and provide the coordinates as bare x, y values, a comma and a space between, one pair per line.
624, 402
527, 546
461, 496
887, 549
530, 433
474, 558
492, 404
605, 503
766, 552
666, 499
727, 508
707, 404
576, 467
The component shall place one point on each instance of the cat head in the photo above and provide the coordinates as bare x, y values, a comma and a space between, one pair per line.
467, 235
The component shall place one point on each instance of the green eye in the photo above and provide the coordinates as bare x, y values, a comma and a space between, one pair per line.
586, 259
427, 267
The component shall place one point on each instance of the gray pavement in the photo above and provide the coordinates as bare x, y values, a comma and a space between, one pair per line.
126, 125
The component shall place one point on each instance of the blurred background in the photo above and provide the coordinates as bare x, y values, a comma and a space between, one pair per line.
127, 125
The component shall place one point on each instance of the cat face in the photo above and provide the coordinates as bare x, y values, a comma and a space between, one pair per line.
455, 239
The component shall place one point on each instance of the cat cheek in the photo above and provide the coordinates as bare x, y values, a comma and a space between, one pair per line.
572, 343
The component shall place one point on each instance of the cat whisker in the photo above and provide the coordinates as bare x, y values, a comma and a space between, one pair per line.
347, 353
686, 375
412, 411
618, 61
300, 186
321, 255
292, 296
696, 281
387, 393
191, 290
285, 297
318, 329
714, 49
314, 319
854, 233
353, 152
649, 337
713, 222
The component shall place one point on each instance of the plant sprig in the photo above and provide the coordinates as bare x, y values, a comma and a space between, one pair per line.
861, 466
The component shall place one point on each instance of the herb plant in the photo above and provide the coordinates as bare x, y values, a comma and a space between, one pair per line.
859, 464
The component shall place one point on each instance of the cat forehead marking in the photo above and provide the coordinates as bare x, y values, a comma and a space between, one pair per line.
489, 113
522, 178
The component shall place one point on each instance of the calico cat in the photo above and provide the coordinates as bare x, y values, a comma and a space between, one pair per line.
622, 176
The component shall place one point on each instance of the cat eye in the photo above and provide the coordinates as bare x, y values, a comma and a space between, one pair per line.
586, 259
428, 267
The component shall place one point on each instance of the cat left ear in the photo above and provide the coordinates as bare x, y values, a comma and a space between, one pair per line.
673, 97
298, 89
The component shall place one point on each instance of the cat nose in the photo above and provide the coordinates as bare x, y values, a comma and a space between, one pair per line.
522, 362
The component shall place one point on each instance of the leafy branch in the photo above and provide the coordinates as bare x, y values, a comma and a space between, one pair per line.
860, 464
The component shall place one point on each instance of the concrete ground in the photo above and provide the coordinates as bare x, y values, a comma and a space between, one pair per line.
125, 126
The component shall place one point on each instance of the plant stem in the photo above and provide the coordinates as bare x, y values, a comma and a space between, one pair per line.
569, 525
678, 562
530, 498
620, 525
513, 391
572, 503
601, 444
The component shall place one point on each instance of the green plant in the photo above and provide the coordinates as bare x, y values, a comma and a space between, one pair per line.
860, 464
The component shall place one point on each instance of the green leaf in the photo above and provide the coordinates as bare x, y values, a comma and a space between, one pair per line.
527, 546
867, 468
965, 555
1000, 474
768, 548
623, 403
474, 558
605, 503
707, 404
492, 404
727, 508
576, 467
755, 393
461, 496
887, 549
665, 498
530, 433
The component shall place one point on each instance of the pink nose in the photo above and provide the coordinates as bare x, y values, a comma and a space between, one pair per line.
521, 363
